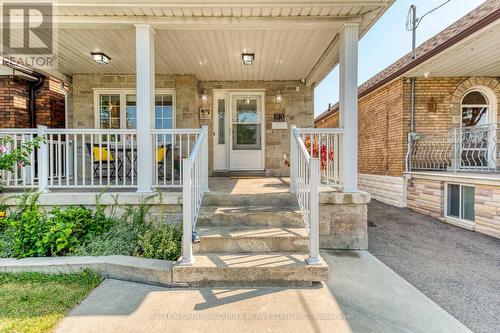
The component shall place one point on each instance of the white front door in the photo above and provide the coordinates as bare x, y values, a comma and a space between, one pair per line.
246, 150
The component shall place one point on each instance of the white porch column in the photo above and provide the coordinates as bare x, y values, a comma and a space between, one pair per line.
348, 104
145, 85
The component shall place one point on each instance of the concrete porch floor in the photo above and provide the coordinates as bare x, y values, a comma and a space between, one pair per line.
248, 185
362, 295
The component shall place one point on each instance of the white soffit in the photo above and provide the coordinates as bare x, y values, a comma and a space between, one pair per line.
476, 55
291, 39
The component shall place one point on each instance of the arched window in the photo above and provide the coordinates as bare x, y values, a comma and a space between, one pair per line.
475, 109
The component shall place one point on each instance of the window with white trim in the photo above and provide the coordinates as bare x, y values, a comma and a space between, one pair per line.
118, 109
460, 202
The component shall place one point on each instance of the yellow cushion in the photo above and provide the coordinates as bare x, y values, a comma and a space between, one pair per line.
161, 154
101, 154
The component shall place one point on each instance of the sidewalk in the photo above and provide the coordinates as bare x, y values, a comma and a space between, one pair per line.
362, 295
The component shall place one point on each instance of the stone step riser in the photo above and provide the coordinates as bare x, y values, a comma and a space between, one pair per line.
245, 200
252, 245
251, 271
225, 218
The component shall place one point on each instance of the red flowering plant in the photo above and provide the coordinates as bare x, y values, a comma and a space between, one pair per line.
319, 149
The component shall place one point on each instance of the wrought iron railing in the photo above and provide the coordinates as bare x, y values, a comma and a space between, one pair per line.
460, 149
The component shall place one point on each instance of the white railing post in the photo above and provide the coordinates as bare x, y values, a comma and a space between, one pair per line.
313, 257
187, 217
145, 83
43, 160
293, 159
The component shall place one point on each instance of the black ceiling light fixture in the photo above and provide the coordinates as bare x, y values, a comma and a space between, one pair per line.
101, 58
248, 58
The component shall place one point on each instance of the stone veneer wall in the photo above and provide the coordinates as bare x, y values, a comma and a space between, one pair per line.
393, 192
297, 106
426, 196
343, 220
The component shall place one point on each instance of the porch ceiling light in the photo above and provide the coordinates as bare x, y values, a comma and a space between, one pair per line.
100, 58
248, 58
279, 97
204, 96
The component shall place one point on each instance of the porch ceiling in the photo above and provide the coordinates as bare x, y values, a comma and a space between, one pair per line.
476, 55
291, 39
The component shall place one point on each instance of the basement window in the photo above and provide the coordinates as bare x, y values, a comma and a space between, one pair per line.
460, 202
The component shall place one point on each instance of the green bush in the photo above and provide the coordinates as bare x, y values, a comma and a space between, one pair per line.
6, 243
56, 233
163, 242
121, 239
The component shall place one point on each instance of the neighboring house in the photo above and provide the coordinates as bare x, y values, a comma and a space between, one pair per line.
161, 94
448, 168
30, 99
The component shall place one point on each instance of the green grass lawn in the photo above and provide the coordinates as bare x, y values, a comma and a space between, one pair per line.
35, 302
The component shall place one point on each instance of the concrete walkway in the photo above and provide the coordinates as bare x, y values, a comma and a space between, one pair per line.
457, 268
362, 295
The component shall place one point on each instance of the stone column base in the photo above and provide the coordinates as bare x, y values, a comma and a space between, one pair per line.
343, 219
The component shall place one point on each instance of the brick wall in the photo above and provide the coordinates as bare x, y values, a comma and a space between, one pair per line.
381, 140
14, 103
384, 117
49, 104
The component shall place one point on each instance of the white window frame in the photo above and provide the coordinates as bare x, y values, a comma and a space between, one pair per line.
453, 219
123, 111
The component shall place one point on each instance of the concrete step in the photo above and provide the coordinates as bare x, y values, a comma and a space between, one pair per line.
256, 269
220, 199
244, 239
277, 216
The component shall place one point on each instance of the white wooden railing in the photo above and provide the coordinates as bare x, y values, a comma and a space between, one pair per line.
325, 144
195, 184
304, 181
96, 158
172, 146
20, 177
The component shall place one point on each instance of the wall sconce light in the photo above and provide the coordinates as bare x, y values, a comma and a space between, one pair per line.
204, 96
248, 58
279, 97
100, 58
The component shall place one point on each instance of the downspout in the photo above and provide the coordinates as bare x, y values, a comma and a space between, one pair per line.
33, 87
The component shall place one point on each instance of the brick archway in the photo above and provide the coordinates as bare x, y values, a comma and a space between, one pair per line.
492, 85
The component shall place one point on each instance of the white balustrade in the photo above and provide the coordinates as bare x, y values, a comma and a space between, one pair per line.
195, 184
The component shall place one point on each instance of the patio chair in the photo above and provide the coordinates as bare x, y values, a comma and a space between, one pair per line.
161, 155
102, 157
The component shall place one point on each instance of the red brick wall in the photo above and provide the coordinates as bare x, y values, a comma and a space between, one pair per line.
49, 104
14, 103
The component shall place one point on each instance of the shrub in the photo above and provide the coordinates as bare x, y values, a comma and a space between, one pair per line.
121, 239
6, 243
57, 233
161, 242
